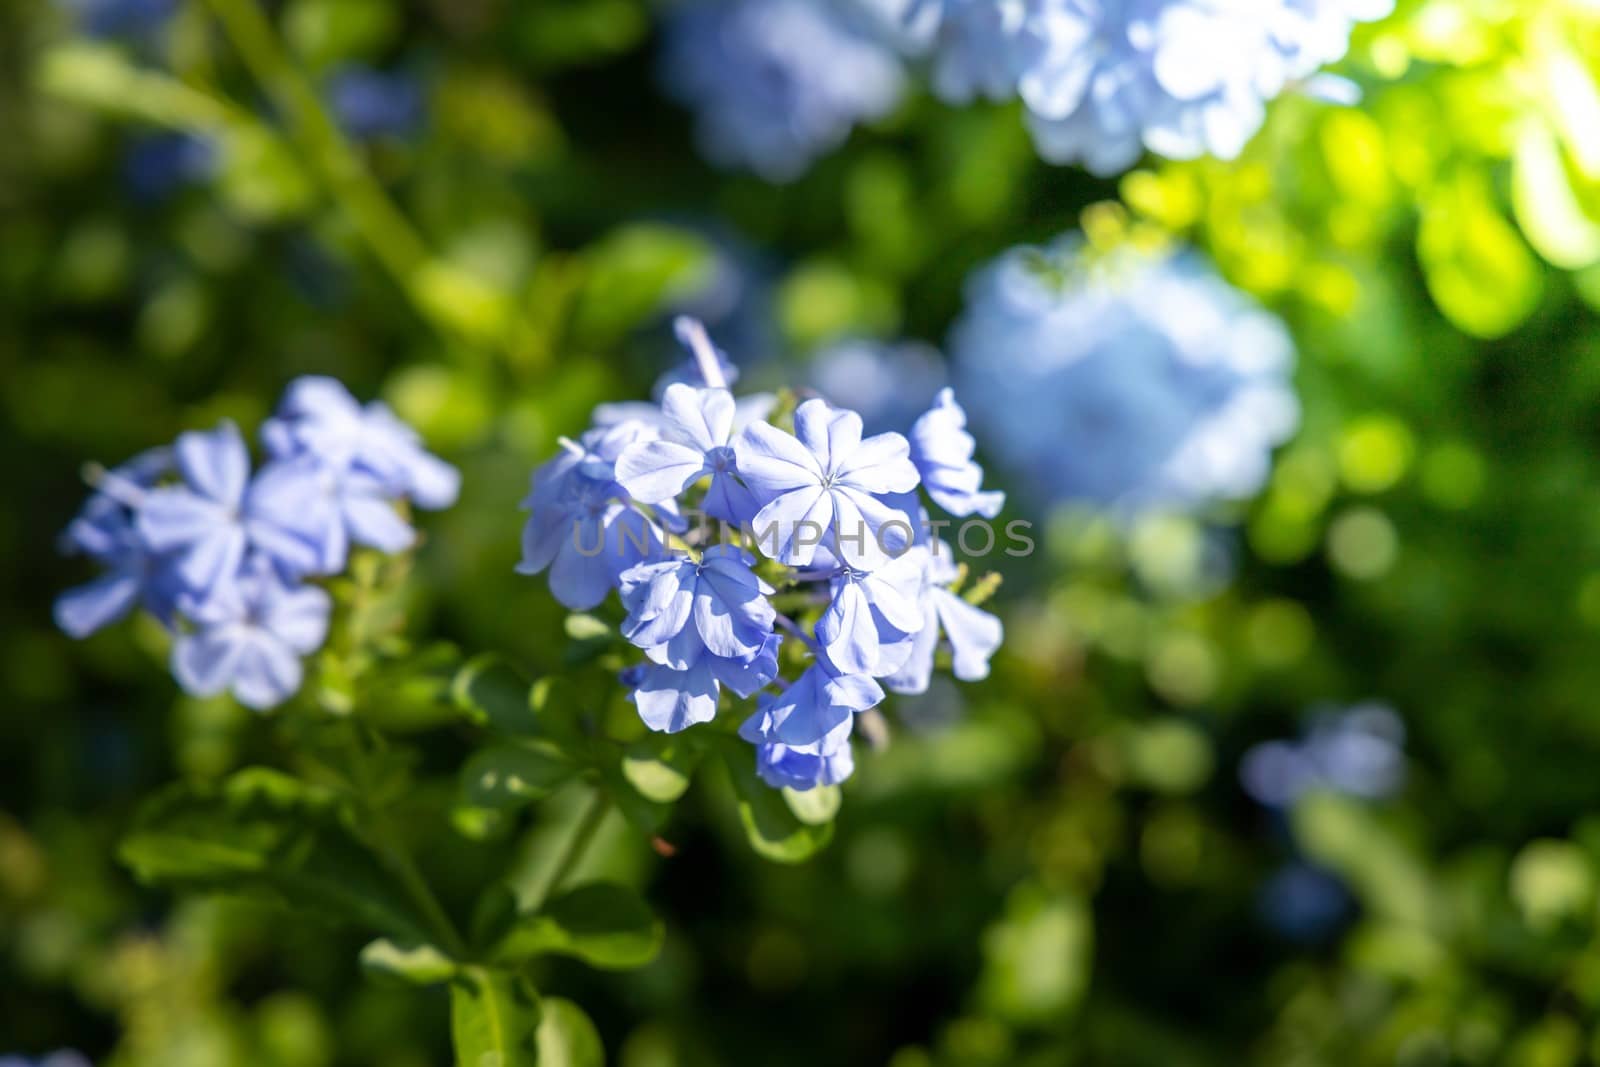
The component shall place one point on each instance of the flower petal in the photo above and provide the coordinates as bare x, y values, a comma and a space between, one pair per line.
654, 471
203, 662
848, 633
266, 673
670, 701
215, 463
83, 610
772, 462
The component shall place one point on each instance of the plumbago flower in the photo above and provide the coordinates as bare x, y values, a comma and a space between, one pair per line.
224, 558
1135, 379
809, 512
1103, 80
774, 84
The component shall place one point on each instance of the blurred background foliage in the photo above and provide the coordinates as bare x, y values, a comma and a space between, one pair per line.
1062, 865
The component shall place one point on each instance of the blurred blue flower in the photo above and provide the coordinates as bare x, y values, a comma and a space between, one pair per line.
1359, 751
887, 384
774, 84
104, 531
370, 104
984, 47
217, 555
1102, 80
941, 449
156, 165
120, 18
1134, 380
216, 515
248, 638
972, 634
1304, 903
332, 506
63, 1058
318, 417
826, 484
803, 767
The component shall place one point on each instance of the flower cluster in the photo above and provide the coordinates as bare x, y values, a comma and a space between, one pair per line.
776, 83
373, 104
888, 383
222, 557
1102, 80
63, 1058
1133, 379
1358, 751
818, 520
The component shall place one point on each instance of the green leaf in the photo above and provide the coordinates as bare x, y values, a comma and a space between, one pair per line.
773, 829
1548, 210
492, 693
647, 815
604, 924
1478, 270
513, 774
1038, 956
409, 963
1381, 866
265, 833
557, 713
659, 766
494, 1019
814, 807
567, 1038
632, 273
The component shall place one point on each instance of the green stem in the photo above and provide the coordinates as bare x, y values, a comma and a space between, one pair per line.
594, 812
390, 846
399, 861
378, 222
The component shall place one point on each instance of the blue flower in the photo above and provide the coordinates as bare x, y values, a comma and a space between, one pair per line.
333, 506
105, 532
941, 450
62, 1058
719, 593
868, 625
1133, 380
1358, 752
984, 47
1304, 903
248, 638
370, 104
156, 165
696, 433
972, 634
776, 83
812, 708
804, 767
211, 520
888, 385
671, 698
121, 18
318, 417
825, 484
1102, 80
582, 526
702, 623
